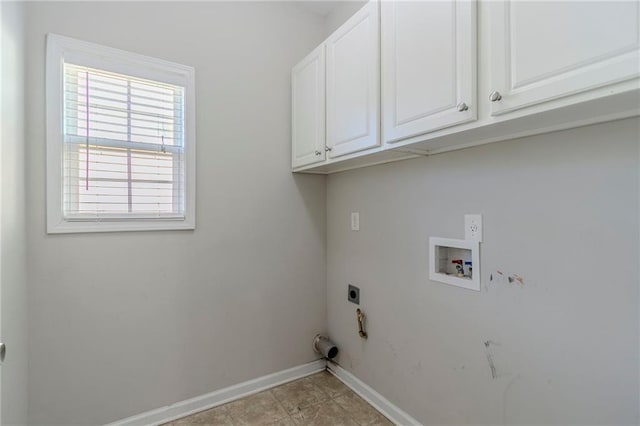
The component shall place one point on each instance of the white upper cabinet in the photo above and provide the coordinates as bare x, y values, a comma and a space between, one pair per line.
308, 109
353, 84
407, 78
428, 66
544, 50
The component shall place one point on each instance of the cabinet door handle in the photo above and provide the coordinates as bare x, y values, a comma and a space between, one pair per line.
462, 107
318, 153
3, 351
495, 96
327, 149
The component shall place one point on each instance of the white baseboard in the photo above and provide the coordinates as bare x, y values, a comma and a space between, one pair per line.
222, 396
379, 402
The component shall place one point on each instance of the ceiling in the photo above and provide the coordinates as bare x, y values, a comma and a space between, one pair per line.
319, 7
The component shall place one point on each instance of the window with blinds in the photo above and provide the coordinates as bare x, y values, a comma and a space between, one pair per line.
123, 146
120, 140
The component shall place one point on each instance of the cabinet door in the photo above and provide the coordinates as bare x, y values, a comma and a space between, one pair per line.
308, 109
428, 66
353, 85
544, 50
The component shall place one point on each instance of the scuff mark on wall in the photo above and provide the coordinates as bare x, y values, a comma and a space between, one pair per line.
392, 348
494, 371
498, 277
504, 398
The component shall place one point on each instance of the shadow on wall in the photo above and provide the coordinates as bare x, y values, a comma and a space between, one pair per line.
309, 186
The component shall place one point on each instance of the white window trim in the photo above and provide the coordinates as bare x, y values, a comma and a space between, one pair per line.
85, 53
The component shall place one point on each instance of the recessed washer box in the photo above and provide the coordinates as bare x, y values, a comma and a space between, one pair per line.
455, 262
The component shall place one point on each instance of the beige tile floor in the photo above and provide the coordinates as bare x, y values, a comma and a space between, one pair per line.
317, 400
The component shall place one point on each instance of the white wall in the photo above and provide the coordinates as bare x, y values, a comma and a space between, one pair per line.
342, 11
13, 282
561, 210
126, 322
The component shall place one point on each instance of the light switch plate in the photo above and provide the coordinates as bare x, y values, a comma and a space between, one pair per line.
473, 227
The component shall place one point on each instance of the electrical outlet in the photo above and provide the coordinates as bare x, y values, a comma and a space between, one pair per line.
355, 221
473, 227
353, 294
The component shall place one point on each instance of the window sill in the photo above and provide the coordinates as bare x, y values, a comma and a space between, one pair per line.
76, 227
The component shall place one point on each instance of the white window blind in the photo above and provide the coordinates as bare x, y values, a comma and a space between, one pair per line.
123, 147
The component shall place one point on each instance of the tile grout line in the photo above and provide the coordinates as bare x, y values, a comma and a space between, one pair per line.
345, 392
339, 395
280, 403
333, 398
348, 391
308, 378
290, 415
325, 393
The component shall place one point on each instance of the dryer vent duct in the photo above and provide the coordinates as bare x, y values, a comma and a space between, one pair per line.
325, 347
